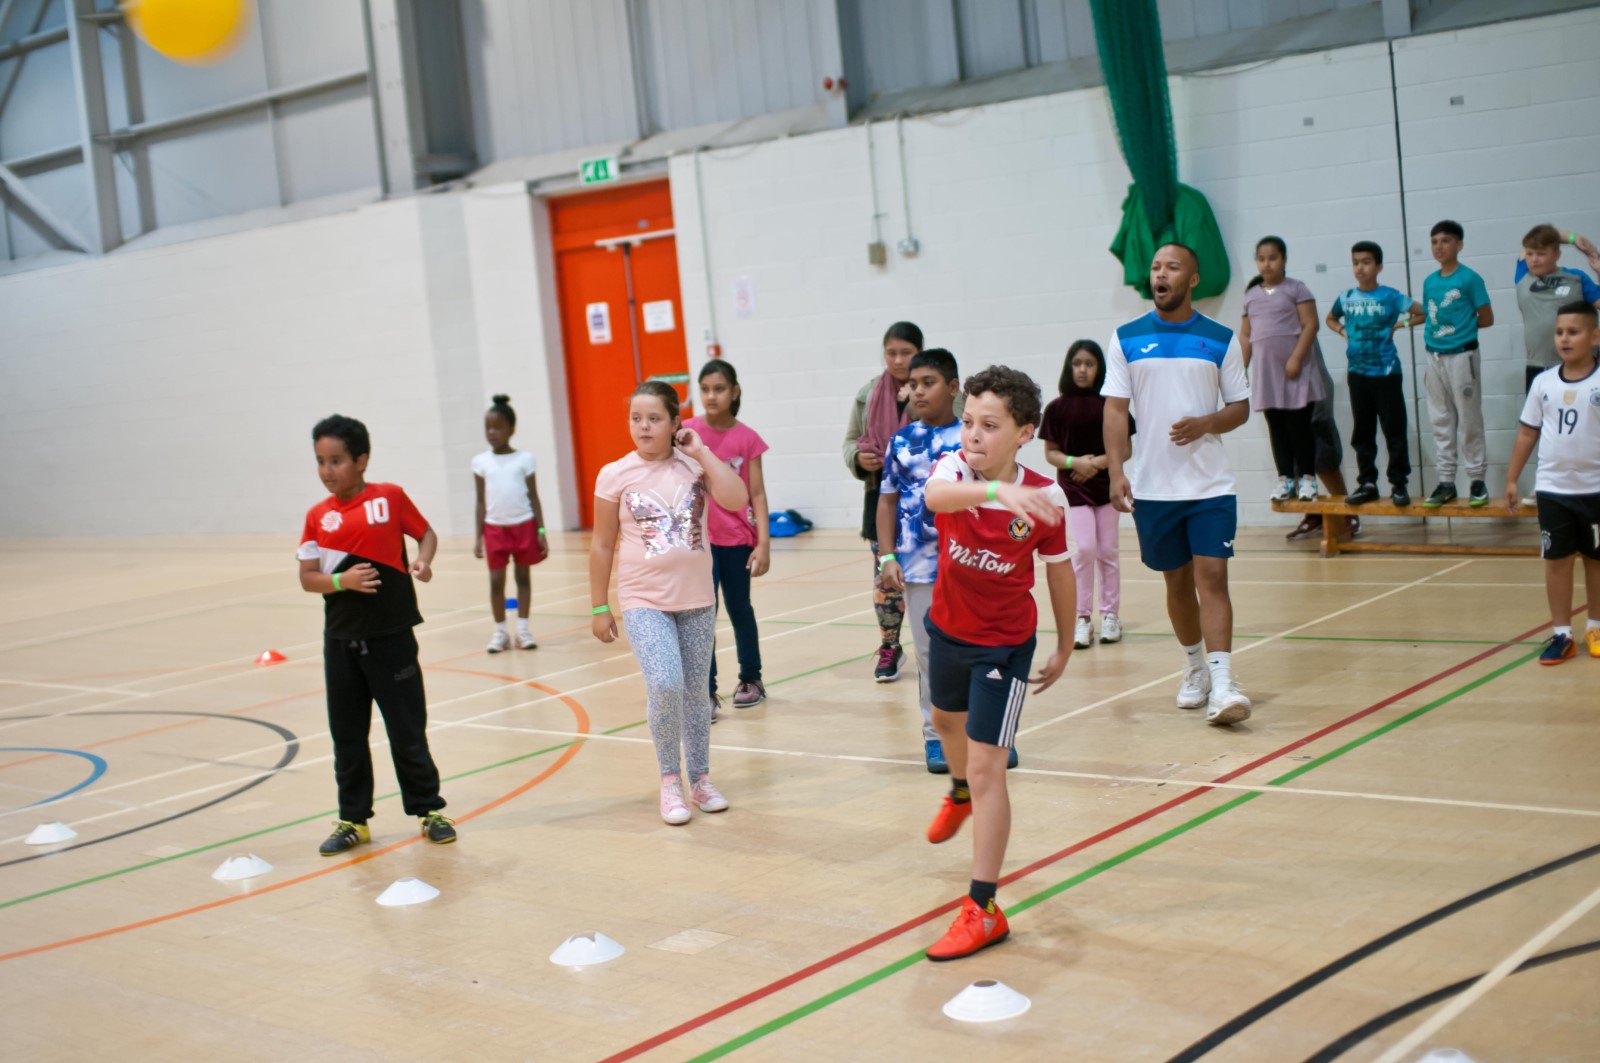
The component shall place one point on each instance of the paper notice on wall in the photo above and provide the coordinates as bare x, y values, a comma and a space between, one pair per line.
658, 317
744, 297
599, 315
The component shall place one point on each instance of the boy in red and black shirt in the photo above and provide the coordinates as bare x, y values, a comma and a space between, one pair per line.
992, 516
353, 553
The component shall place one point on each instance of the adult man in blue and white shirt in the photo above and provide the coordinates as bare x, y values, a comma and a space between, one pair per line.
1183, 374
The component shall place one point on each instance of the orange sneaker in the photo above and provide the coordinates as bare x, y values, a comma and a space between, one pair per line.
948, 820
1592, 637
973, 931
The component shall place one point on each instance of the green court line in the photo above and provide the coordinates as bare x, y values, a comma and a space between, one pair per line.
1106, 865
1286, 638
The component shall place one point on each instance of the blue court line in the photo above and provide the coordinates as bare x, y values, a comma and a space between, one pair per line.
98, 763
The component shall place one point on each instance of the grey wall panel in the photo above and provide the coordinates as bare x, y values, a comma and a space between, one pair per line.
62, 192
311, 39
327, 144
907, 44
172, 88
43, 110
991, 36
220, 169
1066, 30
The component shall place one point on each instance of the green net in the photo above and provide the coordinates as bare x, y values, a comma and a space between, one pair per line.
1158, 208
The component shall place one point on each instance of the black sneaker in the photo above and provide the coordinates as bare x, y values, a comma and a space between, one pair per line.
1310, 528
1442, 494
1478, 494
889, 661
437, 828
1355, 527
1400, 496
1011, 758
345, 836
1363, 494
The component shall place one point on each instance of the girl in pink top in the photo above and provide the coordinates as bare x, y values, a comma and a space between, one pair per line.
740, 547
654, 501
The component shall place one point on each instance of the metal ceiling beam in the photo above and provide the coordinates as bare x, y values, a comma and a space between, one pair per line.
138, 155
33, 42
144, 130
37, 215
831, 58
1397, 18
22, 60
88, 75
396, 101
49, 159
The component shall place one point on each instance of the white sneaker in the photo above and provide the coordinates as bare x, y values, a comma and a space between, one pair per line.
1308, 489
707, 797
1284, 492
673, 810
1195, 687
1227, 705
1110, 628
500, 643
525, 640
1082, 634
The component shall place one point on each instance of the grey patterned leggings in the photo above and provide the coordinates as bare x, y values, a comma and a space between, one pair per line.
674, 654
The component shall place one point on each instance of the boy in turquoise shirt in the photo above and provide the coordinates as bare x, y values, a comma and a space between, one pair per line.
1457, 303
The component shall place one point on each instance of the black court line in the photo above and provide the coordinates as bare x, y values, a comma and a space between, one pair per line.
291, 749
1245, 1019
1334, 1049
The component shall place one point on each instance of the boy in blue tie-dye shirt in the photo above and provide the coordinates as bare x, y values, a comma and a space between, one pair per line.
904, 520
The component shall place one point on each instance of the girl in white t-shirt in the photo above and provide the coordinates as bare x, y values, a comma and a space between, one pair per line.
510, 521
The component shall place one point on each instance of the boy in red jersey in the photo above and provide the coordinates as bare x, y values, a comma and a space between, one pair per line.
353, 553
992, 516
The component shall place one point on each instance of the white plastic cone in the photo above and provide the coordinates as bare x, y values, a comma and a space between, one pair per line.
586, 950
50, 834
407, 891
987, 1001
1446, 1055
235, 868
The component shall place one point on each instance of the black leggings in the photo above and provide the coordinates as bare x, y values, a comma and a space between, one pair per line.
1294, 442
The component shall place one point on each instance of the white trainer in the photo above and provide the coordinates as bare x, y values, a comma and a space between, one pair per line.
1110, 628
1082, 634
1195, 688
1285, 490
1227, 705
707, 797
673, 810
1308, 489
525, 640
500, 642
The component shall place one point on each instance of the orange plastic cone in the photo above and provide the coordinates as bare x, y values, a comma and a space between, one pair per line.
271, 657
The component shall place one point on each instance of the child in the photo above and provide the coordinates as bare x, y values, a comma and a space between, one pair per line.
1074, 442
904, 523
1562, 415
1458, 306
992, 515
1544, 286
740, 547
1367, 317
510, 520
664, 581
1277, 338
353, 553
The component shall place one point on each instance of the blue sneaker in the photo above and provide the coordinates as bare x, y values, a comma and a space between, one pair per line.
933, 754
1011, 758
1558, 649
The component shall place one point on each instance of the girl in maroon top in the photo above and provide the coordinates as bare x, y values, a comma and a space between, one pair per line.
1074, 445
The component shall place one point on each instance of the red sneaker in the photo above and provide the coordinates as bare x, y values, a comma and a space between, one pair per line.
948, 820
973, 931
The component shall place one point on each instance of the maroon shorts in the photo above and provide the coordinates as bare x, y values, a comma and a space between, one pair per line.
515, 542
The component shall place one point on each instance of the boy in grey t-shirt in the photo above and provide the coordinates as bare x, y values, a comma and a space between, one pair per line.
1544, 286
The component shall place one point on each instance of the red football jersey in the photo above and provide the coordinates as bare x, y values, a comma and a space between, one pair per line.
371, 527
984, 590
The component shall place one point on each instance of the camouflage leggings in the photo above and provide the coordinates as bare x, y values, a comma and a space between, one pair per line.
890, 605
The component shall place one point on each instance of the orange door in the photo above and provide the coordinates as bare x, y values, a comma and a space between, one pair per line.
621, 315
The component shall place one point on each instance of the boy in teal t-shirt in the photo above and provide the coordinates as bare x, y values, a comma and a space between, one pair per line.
1367, 316
1457, 303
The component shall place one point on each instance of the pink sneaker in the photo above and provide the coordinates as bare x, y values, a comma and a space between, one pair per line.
706, 796
673, 810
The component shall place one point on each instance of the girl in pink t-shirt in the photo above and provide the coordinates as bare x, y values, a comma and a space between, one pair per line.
654, 501
740, 547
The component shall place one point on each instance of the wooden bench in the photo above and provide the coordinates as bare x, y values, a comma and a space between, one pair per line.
1336, 537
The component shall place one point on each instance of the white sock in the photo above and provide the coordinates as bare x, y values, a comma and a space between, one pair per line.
1594, 625
1221, 665
1565, 630
500, 626
1195, 655
522, 624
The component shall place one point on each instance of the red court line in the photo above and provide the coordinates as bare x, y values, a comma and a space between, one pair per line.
1200, 788
581, 718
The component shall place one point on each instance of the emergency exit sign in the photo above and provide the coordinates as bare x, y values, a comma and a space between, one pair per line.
595, 171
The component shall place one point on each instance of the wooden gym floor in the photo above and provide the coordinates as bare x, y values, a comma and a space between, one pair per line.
1358, 873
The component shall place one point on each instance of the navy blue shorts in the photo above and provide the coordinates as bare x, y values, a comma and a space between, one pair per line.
1171, 534
987, 683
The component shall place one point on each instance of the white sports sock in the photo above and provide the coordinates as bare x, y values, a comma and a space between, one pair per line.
1594, 625
1564, 630
522, 624
500, 626
1221, 665
1194, 655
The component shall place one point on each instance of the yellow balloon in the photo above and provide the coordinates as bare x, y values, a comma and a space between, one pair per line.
189, 31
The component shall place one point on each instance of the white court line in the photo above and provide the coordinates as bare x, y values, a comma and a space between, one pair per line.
441, 725
72, 686
1254, 644
1504, 969
138, 620
1491, 806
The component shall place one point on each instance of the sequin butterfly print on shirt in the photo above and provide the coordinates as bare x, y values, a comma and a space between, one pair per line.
666, 526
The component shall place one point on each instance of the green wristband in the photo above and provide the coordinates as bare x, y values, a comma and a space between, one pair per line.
884, 559
1572, 238
994, 489
597, 610
1069, 461
541, 531
336, 582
